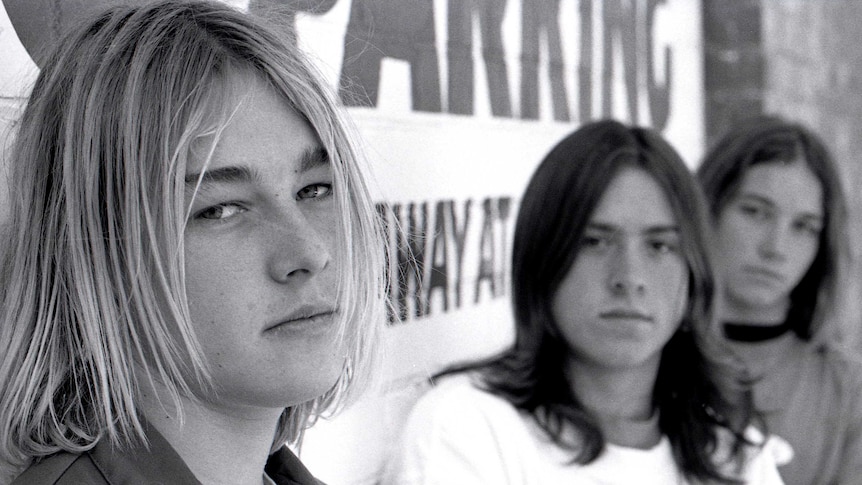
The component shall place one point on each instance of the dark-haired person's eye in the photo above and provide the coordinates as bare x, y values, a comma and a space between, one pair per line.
596, 242
754, 211
661, 246
810, 228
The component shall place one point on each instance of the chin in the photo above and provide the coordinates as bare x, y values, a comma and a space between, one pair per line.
286, 397
320, 383
757, 297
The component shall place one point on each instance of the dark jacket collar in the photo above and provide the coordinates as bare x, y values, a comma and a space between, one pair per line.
285, 469
160, 463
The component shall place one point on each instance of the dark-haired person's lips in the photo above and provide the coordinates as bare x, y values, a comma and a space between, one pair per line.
305, 318
762, 272
625, 314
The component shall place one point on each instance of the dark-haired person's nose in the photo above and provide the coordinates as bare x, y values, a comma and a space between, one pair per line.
627, 273
298, 250
773, 243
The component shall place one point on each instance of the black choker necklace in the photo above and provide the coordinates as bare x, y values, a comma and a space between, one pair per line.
746, 332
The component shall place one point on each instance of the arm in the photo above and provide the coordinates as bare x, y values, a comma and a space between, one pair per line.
850, 467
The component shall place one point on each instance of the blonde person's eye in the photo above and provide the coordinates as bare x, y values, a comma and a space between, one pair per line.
314, 191
220, 212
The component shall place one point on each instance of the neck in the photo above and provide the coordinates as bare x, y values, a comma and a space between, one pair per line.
730, 309
219, 445
759, 357
621, 399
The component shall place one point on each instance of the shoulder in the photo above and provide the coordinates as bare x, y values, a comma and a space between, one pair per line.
840, 358
458, 415
63, 469
841, 373
458, 433
458, 399
838, 366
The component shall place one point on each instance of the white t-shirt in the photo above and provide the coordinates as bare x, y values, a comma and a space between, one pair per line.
460, 435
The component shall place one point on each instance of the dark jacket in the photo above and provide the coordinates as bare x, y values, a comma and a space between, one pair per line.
160, 464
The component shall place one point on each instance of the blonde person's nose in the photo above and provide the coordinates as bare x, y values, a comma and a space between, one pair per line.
298, 251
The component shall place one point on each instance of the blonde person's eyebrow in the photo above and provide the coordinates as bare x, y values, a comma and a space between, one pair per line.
310, 159
313, 158
232, 174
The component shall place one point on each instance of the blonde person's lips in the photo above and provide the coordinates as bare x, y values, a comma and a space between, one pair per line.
307, 318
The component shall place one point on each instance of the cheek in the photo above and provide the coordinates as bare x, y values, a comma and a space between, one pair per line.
733, 237
681, 304
205, 290
805, 251
671, 287
569, 299
220, 290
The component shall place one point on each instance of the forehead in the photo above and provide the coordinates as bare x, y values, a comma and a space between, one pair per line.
261, 128
791, 186
634, 200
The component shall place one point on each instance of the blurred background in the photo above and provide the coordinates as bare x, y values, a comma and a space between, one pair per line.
458, 100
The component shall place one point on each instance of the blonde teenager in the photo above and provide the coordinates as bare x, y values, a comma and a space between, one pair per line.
180, 286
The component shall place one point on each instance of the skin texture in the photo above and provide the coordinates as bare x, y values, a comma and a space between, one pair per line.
629, 263
259, 249
767, 237
260, 276
620, 303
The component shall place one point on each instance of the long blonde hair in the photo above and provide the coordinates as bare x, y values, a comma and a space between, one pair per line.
92, 279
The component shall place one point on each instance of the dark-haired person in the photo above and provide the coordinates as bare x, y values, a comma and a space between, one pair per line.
607, 381
179, 297
779, 220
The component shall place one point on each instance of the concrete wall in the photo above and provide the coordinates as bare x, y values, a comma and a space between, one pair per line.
733, 63
814, 73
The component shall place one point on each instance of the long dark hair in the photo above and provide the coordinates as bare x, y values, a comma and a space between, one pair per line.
771, 139
554, 212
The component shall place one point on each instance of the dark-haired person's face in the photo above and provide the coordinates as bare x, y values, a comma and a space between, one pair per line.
260, 256
626, 292
768, 234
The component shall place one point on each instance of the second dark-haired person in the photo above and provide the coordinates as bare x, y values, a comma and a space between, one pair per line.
779, 219
609, 380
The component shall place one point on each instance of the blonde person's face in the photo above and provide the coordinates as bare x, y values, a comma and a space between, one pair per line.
260, 256
625, 294
768, 235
